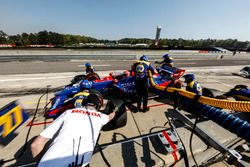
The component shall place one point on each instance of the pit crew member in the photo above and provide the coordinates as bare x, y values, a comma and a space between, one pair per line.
140, 69
73, 134
166, 62
89, 68
239, 93
192, 85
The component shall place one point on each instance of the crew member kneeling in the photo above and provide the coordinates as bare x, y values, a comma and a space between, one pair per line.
74, 135
192, 85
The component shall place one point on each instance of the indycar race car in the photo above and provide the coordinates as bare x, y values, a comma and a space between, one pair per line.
120, 85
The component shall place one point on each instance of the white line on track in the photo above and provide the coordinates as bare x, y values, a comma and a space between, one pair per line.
97, 65
205, 70
186, 63
37, 78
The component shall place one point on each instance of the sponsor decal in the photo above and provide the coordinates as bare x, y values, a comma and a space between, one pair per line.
126, 90
87, 113
127, 84
11, 117
58, 99
139, 69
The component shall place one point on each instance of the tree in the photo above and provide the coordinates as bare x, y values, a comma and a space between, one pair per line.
33, 38
43, 38
3, 37
25, 39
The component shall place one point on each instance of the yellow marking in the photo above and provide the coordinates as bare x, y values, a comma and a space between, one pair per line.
141, 61
6, 120
78, 101
191, 84
81, 93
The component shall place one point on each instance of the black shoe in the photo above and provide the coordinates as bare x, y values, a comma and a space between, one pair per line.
135, 110
145, 109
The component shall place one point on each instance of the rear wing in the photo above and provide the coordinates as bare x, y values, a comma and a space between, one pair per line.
11, 117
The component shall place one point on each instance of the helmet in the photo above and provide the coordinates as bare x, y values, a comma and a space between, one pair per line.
189, 77
126, 73
144, 58
94, 99
165, 56
168, 60
87, 65
85, 84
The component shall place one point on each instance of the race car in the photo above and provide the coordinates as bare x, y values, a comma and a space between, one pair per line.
116, 85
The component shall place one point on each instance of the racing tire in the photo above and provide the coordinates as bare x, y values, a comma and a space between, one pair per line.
77, 79
120, 119
114, 93
207, 92
95, 92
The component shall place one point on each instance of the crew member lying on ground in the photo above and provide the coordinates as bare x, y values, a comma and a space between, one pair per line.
239, 93
74, 135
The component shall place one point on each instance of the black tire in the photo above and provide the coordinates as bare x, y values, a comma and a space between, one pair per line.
207, 92
120, 119
95, 91
114, 93
77, 79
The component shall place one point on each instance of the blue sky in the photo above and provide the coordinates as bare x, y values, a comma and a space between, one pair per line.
115, 19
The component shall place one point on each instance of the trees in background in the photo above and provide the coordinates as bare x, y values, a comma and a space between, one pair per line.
68, 40
3, 37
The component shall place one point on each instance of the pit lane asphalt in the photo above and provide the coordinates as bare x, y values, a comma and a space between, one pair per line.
219, 78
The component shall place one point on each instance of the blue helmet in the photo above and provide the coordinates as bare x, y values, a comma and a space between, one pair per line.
189, 77
85, 84
144, 58
87, 65
165, 56
168, 60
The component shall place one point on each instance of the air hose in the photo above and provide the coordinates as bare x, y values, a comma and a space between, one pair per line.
228, 121
242, 106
